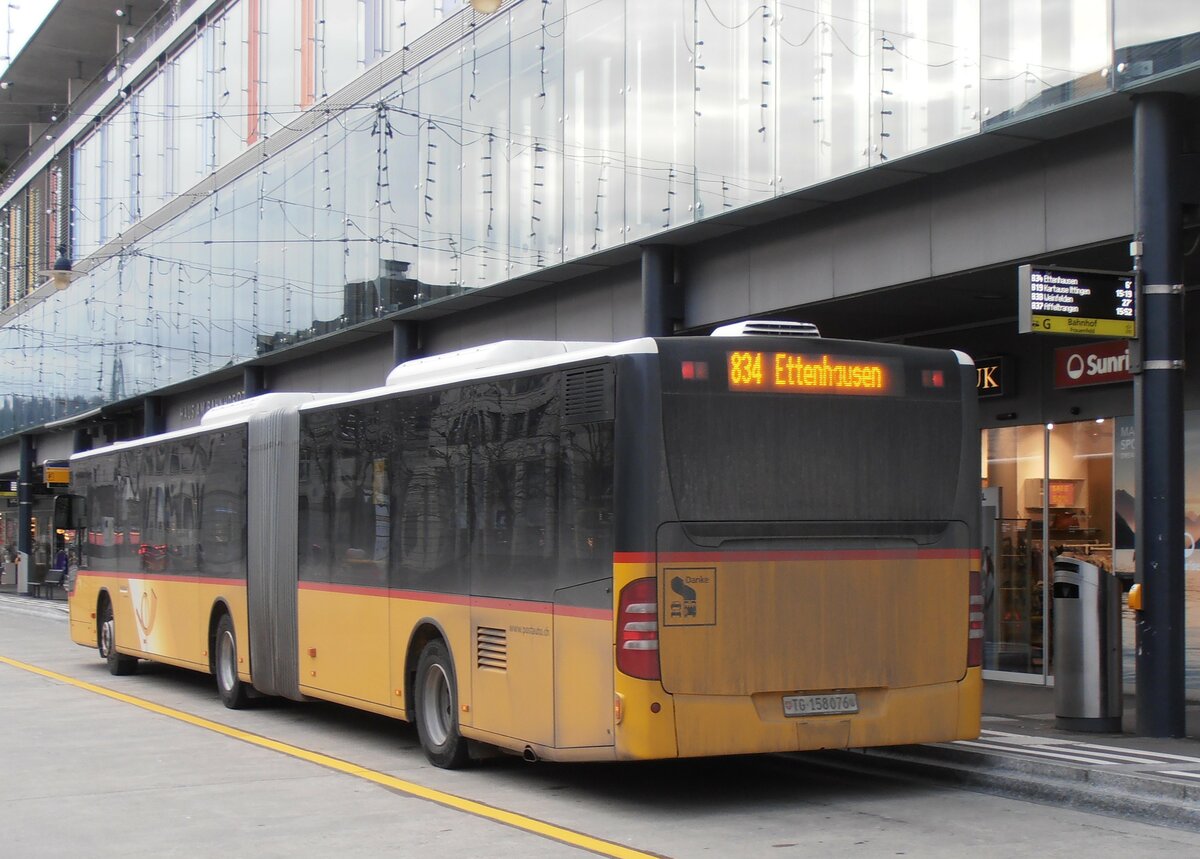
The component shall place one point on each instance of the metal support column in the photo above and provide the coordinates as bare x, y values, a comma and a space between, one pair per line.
406, 341
1158, 416
154, 418
661, 301
254, 381
28, 457
81, 440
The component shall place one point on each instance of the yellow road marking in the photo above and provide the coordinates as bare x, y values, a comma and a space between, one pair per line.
469, 806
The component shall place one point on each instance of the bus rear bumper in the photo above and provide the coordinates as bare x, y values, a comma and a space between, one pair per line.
731, 725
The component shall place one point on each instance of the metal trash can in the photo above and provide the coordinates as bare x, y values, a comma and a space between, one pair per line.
1087, 647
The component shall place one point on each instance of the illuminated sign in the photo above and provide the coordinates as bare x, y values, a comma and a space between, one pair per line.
791, 373
993, 377
1093, 364
57, 475
1090, 303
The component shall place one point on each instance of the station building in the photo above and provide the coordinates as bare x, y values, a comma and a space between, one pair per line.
296, 195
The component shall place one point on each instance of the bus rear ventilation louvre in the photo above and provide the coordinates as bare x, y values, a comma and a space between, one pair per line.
491, 646
587, 395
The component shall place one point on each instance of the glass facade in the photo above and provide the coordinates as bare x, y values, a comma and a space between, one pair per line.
545, 133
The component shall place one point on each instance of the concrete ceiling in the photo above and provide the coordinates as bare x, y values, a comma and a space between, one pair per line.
74, 45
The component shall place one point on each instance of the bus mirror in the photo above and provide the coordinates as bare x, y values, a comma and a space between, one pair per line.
68, 512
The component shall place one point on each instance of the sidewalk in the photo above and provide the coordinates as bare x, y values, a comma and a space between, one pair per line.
1022, 753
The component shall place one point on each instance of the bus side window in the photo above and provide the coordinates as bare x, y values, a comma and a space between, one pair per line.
586, 502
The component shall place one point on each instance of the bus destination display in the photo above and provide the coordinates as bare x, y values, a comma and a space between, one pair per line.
793, 373
1089, 303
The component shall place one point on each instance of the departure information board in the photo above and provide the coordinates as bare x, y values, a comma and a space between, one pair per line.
1088, 303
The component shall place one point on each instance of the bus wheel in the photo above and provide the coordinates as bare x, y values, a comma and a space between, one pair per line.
437, 708
232, 690
118, 663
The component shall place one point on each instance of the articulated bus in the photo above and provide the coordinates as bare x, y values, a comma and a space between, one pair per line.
757, 541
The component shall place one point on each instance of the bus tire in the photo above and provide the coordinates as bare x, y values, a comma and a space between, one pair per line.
233, 691
119, 664
437, 708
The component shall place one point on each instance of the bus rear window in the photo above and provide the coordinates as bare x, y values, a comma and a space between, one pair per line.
732, 457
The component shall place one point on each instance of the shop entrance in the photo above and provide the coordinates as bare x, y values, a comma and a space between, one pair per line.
1047, 491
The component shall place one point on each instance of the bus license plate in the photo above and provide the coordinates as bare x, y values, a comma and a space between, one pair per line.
820, 705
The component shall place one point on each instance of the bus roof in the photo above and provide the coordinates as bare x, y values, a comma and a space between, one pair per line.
489, 361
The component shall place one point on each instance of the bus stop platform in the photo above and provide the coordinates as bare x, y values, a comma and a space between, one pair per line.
1022, 753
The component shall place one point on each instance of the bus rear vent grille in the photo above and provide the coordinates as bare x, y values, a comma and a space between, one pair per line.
491, 647
767, 329
587, 394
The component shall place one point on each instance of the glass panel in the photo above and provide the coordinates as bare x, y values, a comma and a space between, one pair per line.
85, 197
270, 293
365, 178
338, 52
659, 118
824, 90
1154, 37
121, 154
485, 155
152, 154
280, 46
1038, 54
229, 74
226, 280
439, 156
594, 126
191, 125
329, 227
735, 103
1014, 570
245, 265
298, 248
535, 148
399, 209
927, 68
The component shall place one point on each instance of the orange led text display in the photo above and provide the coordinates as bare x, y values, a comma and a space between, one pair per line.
787, 372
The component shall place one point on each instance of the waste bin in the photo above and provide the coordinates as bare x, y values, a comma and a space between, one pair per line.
1087, 647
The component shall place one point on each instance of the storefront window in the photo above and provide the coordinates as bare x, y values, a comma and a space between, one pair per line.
1048, 492
1013, 576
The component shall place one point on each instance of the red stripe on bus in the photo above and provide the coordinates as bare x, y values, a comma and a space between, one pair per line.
526, 606
821, 555
159, 577
585, 613
360, 590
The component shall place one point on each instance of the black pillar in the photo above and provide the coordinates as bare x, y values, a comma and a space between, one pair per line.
25, 496
254, 381
154, 417
1158, 415
661, 302
406, 341
81, 440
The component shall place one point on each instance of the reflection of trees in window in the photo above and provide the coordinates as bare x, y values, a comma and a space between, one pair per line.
587, 501
316, 491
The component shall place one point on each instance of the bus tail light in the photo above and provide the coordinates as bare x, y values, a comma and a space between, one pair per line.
933, 378
637, 630
975, 622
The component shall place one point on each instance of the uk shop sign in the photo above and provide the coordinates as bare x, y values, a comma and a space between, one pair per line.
1093, 364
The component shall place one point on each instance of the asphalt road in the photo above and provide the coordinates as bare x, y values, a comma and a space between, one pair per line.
168, 771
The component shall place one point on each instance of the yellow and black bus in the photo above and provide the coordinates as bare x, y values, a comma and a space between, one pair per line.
757, 541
